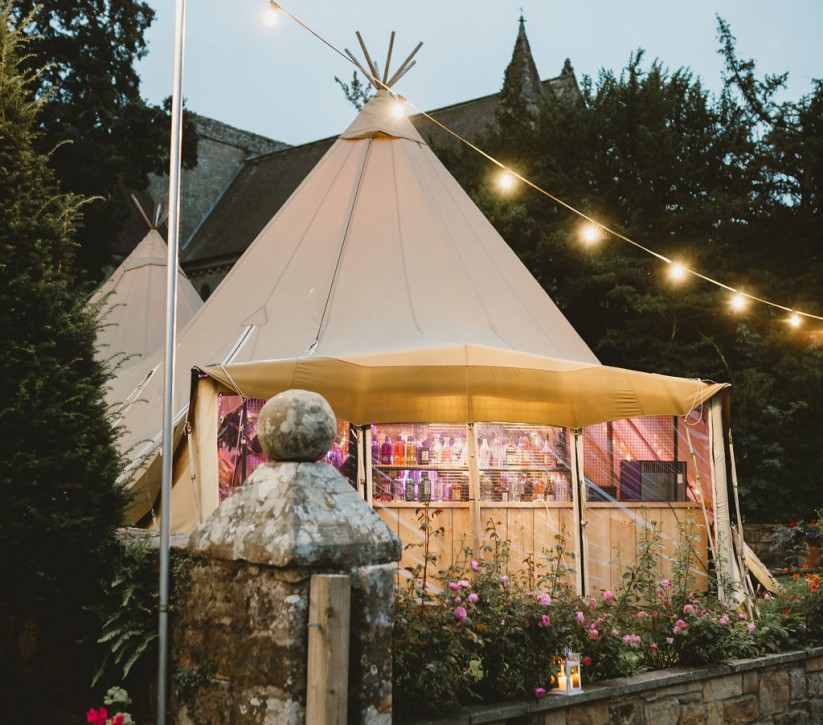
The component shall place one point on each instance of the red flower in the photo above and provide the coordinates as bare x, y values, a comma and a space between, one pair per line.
587, 661
785, 611
118, 719
97, 717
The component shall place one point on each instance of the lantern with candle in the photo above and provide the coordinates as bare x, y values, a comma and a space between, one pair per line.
568, 678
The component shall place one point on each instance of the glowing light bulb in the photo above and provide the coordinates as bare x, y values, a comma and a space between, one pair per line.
505, 180
397, 109
590, 233
270, 15
795, 320
676, 272
739, 302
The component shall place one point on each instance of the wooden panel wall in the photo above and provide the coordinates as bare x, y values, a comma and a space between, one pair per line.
611, 532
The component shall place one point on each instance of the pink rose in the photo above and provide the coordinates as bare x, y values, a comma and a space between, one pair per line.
463, 584
454, 586
544, 621
475, 565
581, 618
607, 595
752, 627
544, 599
688, 609
724, 619
504, 579
593, 633
654, 647
539, 691
473, 597
460, 614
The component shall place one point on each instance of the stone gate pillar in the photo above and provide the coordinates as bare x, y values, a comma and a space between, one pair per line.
240, 640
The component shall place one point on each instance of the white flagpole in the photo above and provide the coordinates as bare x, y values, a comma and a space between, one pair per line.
171, 322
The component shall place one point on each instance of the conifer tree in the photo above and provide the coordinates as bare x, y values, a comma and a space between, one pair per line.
60, 500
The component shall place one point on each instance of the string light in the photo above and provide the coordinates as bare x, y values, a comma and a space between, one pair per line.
270, 14
676, 272
397, 109
506, 181
591, 233
739, 302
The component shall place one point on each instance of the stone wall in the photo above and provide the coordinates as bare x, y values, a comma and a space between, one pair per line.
784, 689
242, 640
760, 537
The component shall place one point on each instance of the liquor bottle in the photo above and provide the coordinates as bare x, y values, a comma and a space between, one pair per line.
455, 492
411, 452
437, 451
375, 450
386, 485
424, 452
458, 451
398, 491
485, 454
437, 487
399, 451
445, 452
511, 453
386, 452
409, 489
424, 487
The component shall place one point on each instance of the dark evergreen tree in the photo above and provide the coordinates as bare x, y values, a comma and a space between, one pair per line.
101, 137
61, 503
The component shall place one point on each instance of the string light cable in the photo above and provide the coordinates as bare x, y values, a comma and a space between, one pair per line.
740, 297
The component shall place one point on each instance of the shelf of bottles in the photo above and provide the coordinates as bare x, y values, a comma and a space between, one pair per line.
430, 462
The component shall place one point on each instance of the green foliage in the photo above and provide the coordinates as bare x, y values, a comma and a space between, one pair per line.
480, 634
189, 681
358, 93
129, 614
104, 137
61, 502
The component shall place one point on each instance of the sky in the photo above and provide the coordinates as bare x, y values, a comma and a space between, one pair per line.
279, 81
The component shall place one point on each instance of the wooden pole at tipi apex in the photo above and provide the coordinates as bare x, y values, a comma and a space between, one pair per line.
404, 66
369, 61
388, 58
369, 77
142, 212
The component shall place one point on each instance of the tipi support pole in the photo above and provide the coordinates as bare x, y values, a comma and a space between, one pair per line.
365, 485
578, 503
327, 692
474, 487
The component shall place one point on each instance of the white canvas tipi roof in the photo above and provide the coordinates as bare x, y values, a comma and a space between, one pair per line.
380, 285
133, 303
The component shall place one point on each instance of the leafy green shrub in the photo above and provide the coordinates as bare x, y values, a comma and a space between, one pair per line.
476, 632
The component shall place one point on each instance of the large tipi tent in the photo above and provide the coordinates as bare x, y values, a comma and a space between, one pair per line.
380, 285
133, 302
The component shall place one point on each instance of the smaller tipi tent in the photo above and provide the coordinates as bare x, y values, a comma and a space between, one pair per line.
133, 302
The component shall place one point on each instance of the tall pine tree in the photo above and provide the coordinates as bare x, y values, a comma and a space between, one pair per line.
61, 503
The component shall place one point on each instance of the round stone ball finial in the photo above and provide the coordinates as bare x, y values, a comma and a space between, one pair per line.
296, 425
